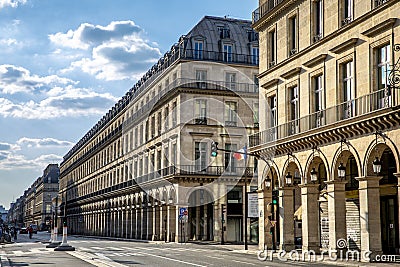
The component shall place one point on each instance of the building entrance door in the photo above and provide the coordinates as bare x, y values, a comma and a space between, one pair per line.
389, 224
234, 229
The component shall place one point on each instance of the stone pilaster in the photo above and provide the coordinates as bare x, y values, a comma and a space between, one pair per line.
264, 236
370, 215
310, 217
286, 221
336, 212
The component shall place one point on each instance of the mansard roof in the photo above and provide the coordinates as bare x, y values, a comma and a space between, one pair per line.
214, 32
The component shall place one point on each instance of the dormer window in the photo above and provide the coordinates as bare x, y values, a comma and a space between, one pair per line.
227, 53
252, 36
224, 33
198, 50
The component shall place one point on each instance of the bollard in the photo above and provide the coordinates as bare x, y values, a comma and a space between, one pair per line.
54, 243
64, 244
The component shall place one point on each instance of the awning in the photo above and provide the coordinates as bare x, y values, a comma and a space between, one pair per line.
298, 215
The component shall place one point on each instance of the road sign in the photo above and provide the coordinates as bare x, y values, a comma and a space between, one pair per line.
183, 211
183, 214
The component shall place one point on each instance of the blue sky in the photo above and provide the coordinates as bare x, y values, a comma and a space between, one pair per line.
63, 64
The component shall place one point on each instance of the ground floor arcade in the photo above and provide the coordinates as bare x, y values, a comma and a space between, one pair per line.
348, 205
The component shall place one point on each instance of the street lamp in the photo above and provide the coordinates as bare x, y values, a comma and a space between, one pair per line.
314, 176
341, 171
268, 183
377, 165
288, 179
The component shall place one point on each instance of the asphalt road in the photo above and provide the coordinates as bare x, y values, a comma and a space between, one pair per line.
100, 252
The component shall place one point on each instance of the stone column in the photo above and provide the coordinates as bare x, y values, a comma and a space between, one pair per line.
310, 217
336, 212
121, 222
169, 226
174, 221
197, 234
265, 239
205, 226
150, 218
370, 215
156, 223
398, 203
134, 221
286, 221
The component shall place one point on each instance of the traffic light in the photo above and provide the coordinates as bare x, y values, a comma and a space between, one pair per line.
64, 221
214, 149
271, 230
275, 197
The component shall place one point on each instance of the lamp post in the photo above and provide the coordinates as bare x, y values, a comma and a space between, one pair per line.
377, 165
341, 171
314, 176
54, 243
289, 179
64, 246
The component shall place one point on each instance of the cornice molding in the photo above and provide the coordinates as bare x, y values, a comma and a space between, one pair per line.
270, 83
344, 46
315, 61
291, 73
378, 28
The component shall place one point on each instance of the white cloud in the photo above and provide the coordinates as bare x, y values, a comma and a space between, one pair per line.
15, 161
13, 157
43, 142
116, 52
10, 42
62, 102
11, 3
14, 79
88, 35
6, 147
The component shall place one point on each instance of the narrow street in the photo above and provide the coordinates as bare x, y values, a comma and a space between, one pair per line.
98, 252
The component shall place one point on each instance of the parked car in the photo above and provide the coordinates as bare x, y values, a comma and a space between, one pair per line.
23, 230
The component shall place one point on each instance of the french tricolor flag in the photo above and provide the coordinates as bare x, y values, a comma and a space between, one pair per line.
241, 153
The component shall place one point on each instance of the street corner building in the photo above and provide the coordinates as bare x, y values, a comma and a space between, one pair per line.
329, 124
145, 170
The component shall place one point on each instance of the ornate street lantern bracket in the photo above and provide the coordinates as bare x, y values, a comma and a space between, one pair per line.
394, 75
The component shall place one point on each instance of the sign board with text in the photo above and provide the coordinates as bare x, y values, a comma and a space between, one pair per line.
252, 205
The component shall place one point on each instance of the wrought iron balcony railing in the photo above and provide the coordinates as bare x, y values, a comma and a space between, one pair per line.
265, 9
194, 84
375, 101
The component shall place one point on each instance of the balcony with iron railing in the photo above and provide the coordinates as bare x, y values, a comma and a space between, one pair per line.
250, 88
373, 102
167, 172
264, 9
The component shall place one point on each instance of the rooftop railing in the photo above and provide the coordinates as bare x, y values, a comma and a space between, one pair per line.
375, 101
264, 9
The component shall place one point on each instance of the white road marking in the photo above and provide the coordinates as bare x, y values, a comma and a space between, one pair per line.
243, 262
114, 248
213, 257
170, 259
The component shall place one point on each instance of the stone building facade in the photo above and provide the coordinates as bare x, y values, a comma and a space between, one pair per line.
35, 205
329, 100
149, 156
